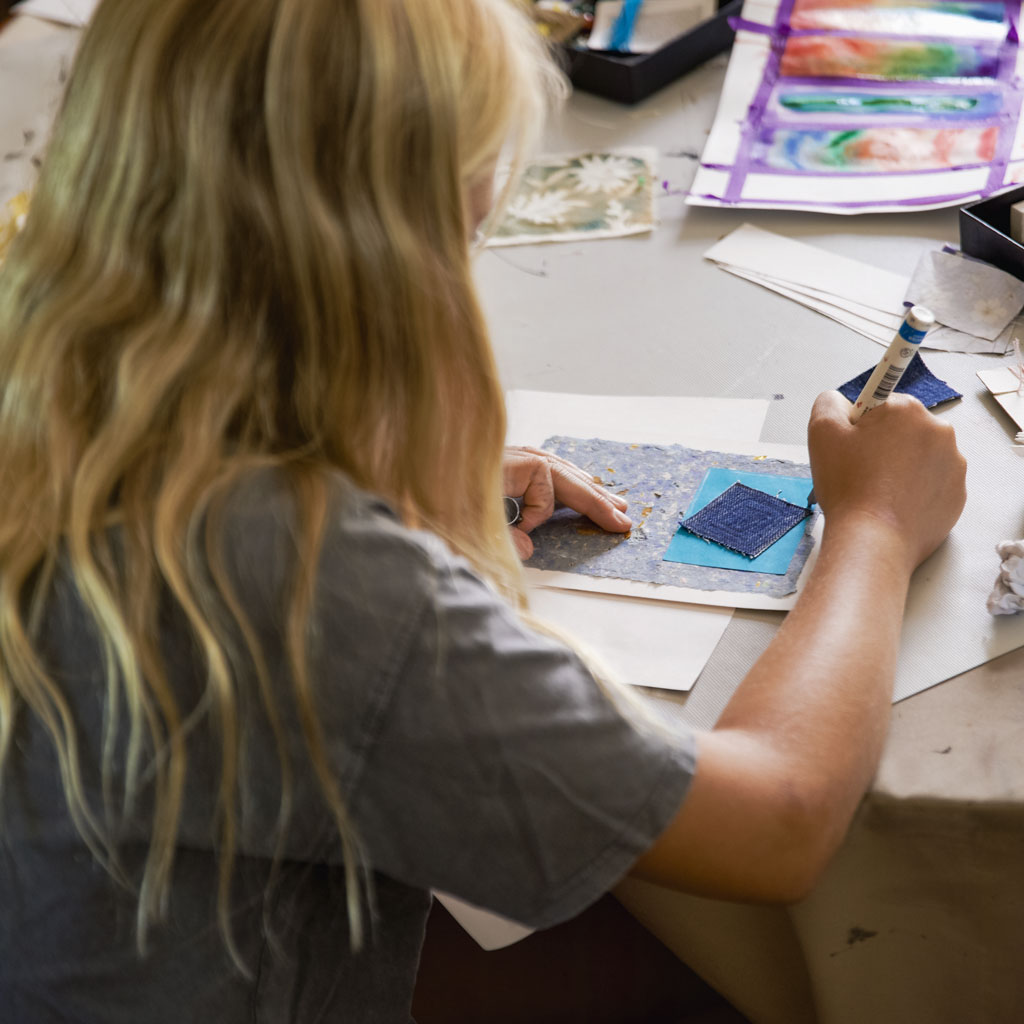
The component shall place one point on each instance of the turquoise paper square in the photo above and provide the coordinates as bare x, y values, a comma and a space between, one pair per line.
685, 547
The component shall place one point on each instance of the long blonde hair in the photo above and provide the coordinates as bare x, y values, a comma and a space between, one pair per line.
247, 247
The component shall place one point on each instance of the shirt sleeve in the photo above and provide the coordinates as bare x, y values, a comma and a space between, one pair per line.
499, 769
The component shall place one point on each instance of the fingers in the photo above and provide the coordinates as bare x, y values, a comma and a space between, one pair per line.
560, 466
541, 479
582, 494
538, 496
898, 462
522, 542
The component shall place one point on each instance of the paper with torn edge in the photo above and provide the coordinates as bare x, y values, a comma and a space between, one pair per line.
674, 592
661, 482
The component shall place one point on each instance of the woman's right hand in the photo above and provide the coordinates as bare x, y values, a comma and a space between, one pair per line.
898, 464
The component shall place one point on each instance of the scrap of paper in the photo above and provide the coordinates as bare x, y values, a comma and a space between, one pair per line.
1006, 388
866, 105
748, 538
917, 380
966, 294
867, 299
658, 481
657, 23
573, 198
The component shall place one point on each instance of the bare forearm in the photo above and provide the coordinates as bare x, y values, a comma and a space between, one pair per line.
822, 691
779, 777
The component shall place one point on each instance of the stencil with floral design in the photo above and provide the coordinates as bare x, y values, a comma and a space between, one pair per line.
592, 195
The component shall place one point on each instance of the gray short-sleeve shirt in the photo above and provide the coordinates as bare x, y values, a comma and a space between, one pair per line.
475, 756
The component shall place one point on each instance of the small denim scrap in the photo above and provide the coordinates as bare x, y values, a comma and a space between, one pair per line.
917, 380
745, 520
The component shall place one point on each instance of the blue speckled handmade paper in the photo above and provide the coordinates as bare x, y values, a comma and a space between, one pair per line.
685, 547
659, 482
917, 380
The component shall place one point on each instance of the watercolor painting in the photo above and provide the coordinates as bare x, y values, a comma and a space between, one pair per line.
906, 103
851, 106
592, 195
862, 150
829, 56
660, 482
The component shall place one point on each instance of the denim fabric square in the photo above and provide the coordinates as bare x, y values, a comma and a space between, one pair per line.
745, 520
917, 380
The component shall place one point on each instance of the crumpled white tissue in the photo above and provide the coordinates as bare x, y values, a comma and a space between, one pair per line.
1007, 595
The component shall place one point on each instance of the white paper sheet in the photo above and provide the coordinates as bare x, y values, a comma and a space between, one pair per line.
640, 641
788, 260
65, 12
862, 325
534, 416
491, 931
864, 298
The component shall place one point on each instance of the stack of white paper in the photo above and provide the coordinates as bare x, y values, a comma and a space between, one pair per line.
867, 299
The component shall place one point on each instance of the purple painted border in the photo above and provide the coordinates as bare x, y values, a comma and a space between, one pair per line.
771, 123
778, 32
930, 201
1009, 82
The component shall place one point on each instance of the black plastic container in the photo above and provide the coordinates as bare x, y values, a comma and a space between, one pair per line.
630, 77
985, 232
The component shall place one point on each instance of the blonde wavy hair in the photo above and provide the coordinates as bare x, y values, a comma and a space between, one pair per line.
248, 246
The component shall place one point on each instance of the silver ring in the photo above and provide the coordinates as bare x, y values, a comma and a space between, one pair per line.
513, 511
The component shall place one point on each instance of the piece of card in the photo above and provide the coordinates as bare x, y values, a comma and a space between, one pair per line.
745, 519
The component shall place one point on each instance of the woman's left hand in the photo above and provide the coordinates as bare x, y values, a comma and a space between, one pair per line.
539, 479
